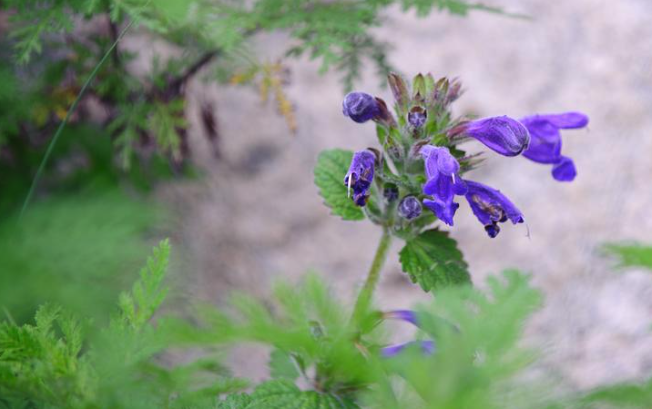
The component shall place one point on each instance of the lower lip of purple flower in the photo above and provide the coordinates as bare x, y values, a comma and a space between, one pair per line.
403, 315
564, 171
428, 347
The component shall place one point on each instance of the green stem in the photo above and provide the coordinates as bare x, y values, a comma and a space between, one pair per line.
63, 123
364, 298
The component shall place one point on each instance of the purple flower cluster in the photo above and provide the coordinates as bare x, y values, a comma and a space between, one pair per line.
537, 138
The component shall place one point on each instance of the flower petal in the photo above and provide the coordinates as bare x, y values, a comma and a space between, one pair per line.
430, 154
427, 347
502, 134
566, 120
403, 315
440, 188
446, 163
544, 150
564, 171
491, 207
444, 211
540, 128
438, 159
459, 186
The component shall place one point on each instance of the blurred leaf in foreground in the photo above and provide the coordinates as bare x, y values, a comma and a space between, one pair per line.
72, 252
631, 254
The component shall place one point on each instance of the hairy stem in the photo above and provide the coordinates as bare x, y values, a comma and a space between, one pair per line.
364, 298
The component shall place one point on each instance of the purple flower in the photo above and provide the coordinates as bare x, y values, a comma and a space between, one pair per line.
502, 134
360, 106
360, 175
491, 207
564, 170
443, 182
409, 208
545, 141
427, 347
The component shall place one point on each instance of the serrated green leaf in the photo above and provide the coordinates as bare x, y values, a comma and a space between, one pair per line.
283, 394
239, 401
331, 168
433, 261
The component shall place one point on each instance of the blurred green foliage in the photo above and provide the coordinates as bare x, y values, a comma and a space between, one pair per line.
478, 353
314, 340
631, 255
72, 251
321, 356
54, 364
73, 246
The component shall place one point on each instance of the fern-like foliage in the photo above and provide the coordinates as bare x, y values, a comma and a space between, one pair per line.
316, 343
309, 331
51, 364
335, 32
321, 356
38, 365
477, 350
72, 252
59, 43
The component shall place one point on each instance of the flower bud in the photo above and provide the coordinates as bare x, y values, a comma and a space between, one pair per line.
390, 192
417, 117
399, 89
360, 107
502, 134
409, 208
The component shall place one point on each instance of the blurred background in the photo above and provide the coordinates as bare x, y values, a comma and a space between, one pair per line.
235, 190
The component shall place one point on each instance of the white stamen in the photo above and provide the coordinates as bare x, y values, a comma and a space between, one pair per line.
348, 187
